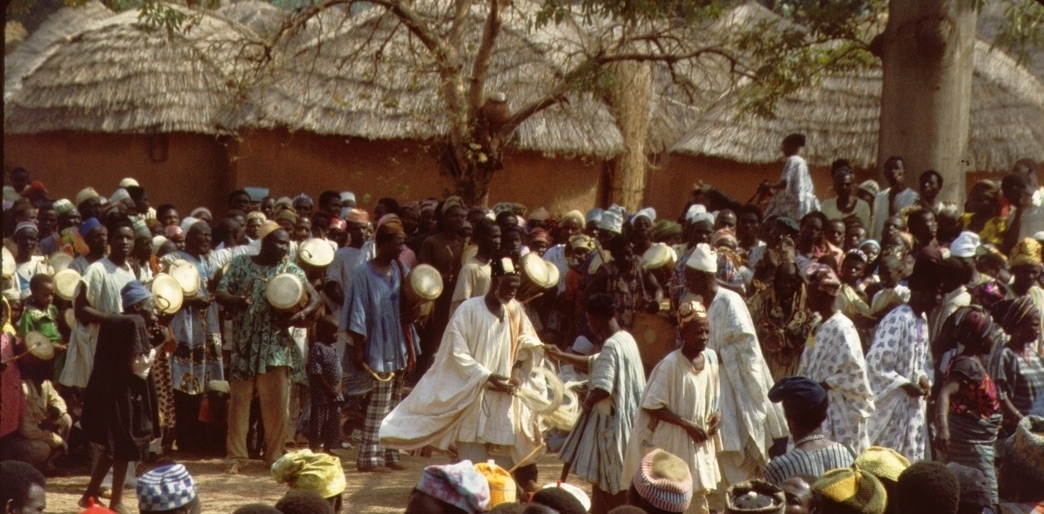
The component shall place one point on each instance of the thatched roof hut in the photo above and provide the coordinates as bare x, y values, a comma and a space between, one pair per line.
62, 24
371, 78
263, 18
840, 116
125, 76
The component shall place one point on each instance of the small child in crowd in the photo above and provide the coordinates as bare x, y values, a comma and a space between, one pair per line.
324, 378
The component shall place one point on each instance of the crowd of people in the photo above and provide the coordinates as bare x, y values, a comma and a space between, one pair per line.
878, 351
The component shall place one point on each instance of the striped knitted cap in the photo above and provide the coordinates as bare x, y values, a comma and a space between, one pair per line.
664, 481
852, 490
165, 488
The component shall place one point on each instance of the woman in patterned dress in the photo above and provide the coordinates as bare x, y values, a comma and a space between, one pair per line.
1017, 368
783, 321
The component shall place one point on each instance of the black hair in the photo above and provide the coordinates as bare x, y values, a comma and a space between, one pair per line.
116, 222
1014, 180
35, 282
256, 508
303, 501
815, 214
991, 260
938, 176
136, 192
750, 209
810, 419
927, 486
890, 162
600, 304
795, 139
957, 270
838, 164
484, 227
16, 477
236, 193
164, 207
421, 502
618, 243
558, 499
46, 205
391, 204
325, 196
502, 217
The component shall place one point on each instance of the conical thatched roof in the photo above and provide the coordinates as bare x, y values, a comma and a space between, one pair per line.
62, 24
263, 18
840, 116
371, 78
124, 76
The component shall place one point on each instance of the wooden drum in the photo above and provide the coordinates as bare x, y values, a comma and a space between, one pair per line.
66, 282
656, 337
314, 255
536, 277
421, 287
167, 294
187, 276
660, 259
286, 293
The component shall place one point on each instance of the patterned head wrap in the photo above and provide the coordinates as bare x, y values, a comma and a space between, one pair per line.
1026, 253
1011, 313
691, 311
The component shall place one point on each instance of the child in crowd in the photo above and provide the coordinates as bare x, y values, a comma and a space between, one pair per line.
324, 378
894, 294
41, 315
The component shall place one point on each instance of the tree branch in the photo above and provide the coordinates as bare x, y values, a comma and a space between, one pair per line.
444, 55
480, 69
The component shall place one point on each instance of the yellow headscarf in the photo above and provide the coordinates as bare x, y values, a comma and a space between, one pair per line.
1026, 252
317, 472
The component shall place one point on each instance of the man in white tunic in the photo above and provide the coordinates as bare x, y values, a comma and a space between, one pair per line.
750, 422
475, 276
466, 399
680, 408
899, 365
834, 359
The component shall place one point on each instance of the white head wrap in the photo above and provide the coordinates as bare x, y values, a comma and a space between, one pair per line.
612, 222
703, 258
648, 212
965, 244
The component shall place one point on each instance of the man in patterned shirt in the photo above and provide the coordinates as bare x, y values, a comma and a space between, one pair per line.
262, 349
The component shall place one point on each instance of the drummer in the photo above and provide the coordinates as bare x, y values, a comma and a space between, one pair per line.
197, 357
262, 353
625, 277
382, 343
41, 315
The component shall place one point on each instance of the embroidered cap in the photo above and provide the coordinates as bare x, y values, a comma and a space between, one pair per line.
165, 488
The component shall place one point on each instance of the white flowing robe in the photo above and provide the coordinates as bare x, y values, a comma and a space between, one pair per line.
749, 420
835, 357
899, 356
692, 395
451, 404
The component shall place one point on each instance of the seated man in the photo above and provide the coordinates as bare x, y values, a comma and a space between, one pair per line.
44, 428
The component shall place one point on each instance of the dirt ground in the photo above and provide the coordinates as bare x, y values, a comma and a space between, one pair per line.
222, 494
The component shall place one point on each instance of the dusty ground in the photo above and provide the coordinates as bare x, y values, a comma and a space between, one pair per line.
222, 494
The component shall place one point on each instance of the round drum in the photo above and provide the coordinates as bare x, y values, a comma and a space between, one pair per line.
553, 275
286, 293
70, 317
655, 335
65, 283
187, 276
60, 261
660, 259
315, 254
422, 286
39, 345
167, 293
535, 277
9, 263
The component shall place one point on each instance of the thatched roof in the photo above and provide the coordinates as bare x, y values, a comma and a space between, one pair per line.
263, 18
840, 116
62, 24
372, 79
124, 76
14, 36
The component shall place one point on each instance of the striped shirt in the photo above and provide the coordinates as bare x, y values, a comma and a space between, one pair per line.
815, 463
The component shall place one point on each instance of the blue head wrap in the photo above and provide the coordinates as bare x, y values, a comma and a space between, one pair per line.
134, 293
88, 225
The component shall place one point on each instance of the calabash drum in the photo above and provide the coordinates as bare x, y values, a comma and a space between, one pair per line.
655, 335
535, 277
39, 345
553, 275
70, 317
187, 276
286, 293
421, 287
660, 259
167, 293
60, 261
66, 283
314, 255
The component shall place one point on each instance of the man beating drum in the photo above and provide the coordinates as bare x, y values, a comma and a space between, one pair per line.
262, 351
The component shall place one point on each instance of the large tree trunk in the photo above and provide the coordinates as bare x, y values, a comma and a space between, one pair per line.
630, 100
927, 54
